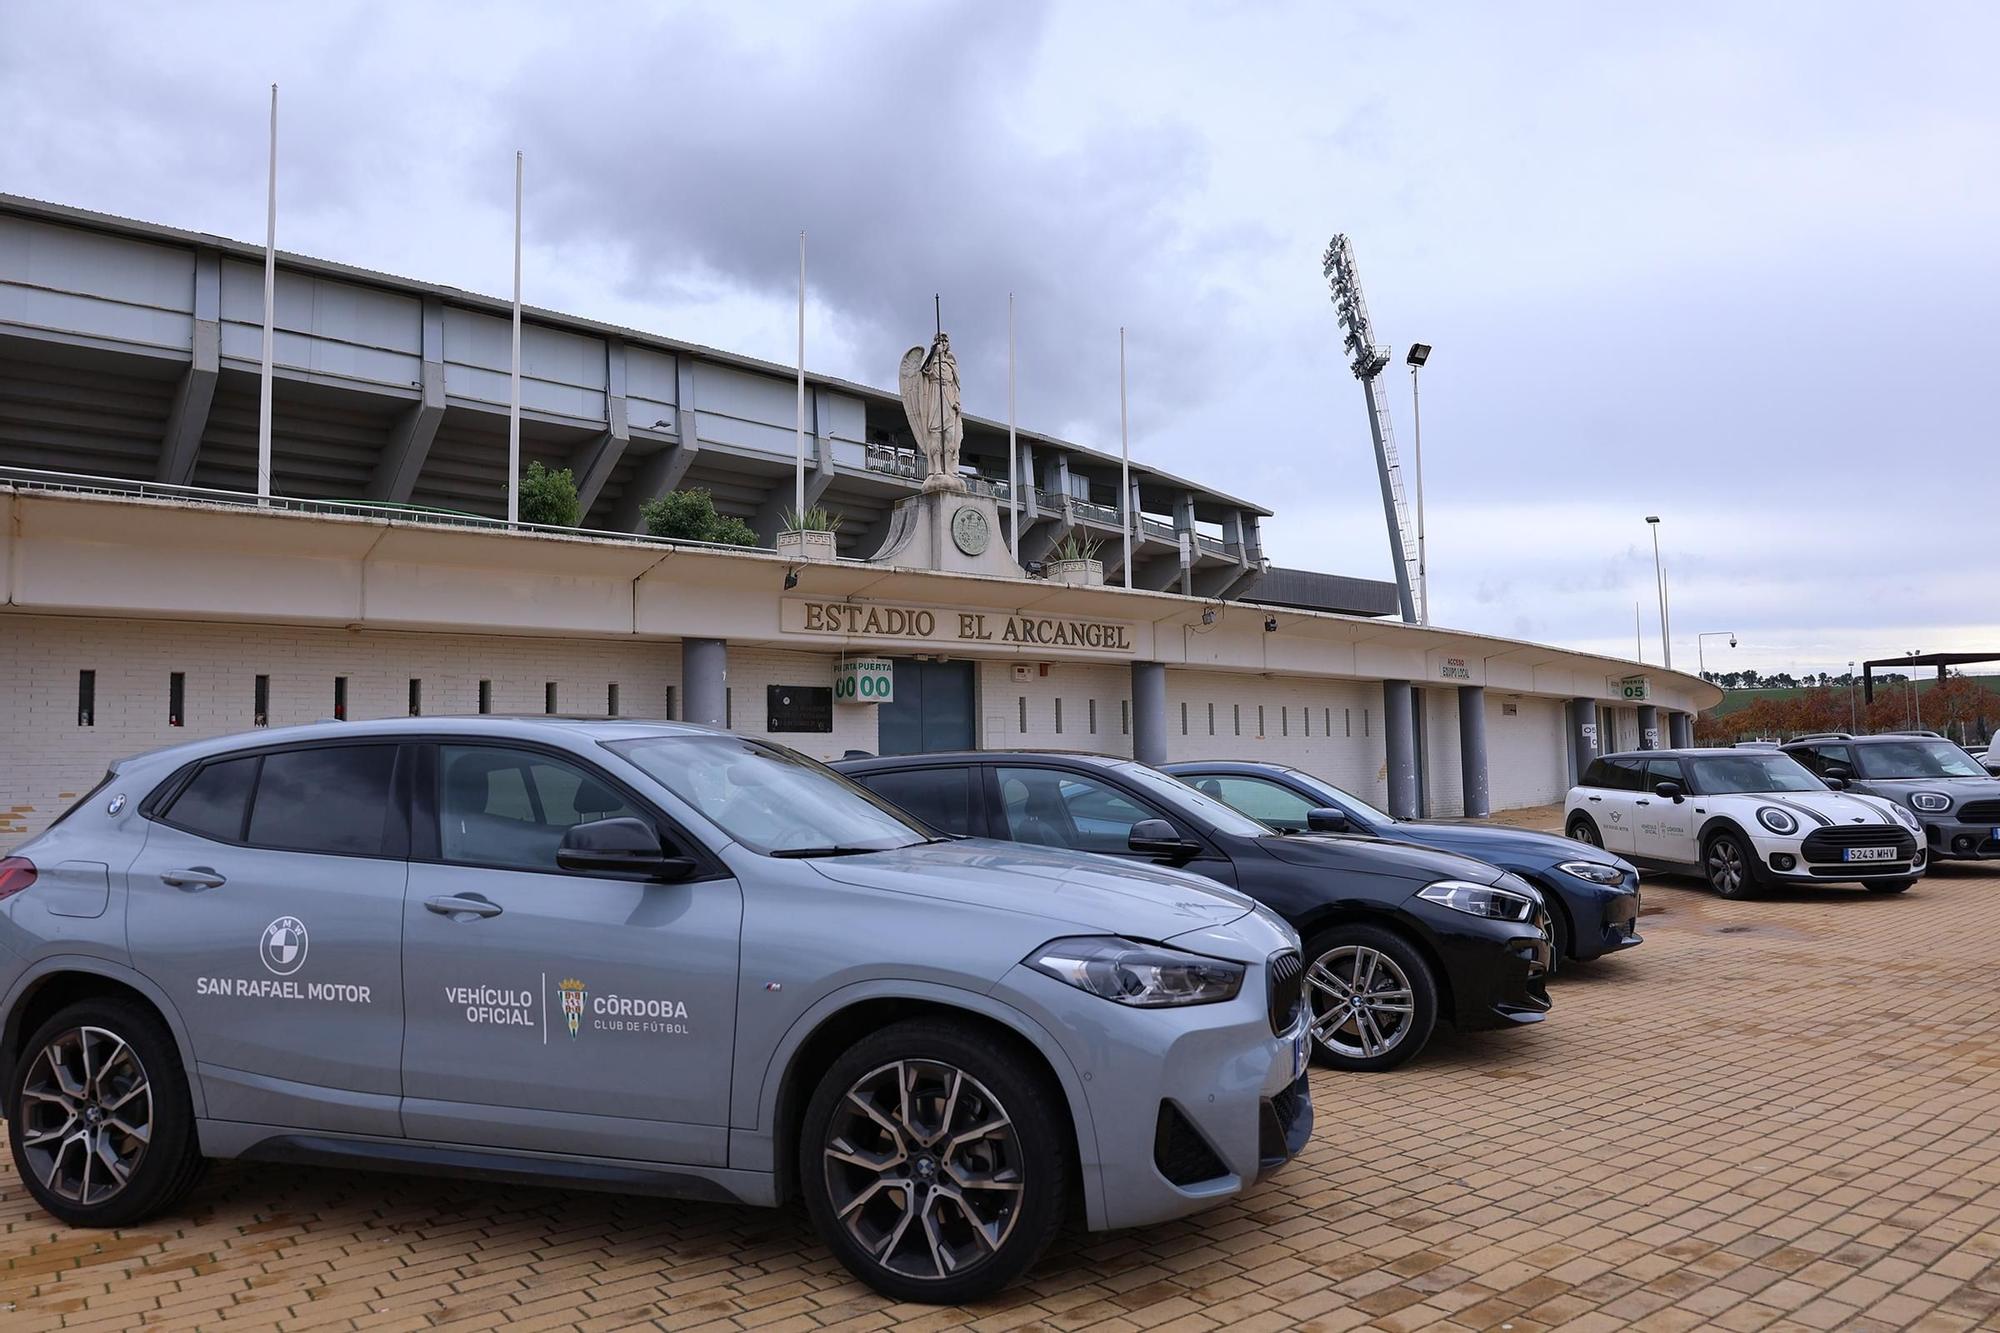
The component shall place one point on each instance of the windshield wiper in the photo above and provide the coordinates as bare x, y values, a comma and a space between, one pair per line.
804, 853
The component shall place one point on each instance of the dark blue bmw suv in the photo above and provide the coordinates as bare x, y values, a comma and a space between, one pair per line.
1593, 896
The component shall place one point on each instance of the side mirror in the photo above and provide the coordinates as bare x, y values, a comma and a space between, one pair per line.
1840, 772
1156, 837
1835, 782
1668, 791
622, 846
1328, 820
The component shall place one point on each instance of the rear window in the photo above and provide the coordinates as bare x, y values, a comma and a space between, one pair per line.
332, 799
215, 800
941, 797
84, 799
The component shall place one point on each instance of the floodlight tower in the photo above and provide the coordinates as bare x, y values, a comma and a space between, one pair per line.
1367, 359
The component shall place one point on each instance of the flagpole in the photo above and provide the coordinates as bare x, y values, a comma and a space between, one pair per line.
799, 427
1125, 465
514, 374
1013, 449
270, 313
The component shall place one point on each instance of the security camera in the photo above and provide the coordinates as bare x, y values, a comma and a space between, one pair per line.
1270, 624
1732, 641
1208, 615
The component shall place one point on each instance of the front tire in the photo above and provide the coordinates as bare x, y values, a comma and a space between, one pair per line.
1888, 886
98, 1116
1583, 829
1373, 998
935, 1161
1728, 865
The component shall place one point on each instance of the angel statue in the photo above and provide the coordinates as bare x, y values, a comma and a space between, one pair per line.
929, 381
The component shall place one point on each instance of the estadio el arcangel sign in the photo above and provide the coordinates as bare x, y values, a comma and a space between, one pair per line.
950, 627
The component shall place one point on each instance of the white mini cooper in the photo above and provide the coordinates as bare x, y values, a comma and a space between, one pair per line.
1742, 819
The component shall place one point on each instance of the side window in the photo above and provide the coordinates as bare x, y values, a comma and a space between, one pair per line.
1829, 755
510, 808
940, 797
1597, 775
1626, 774
330, 799
214, 803
1262, 800
1050, 808
1664, 770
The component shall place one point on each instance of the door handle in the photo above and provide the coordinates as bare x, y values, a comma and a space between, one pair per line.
1642, 802
194, 877
1593, 798
462, 906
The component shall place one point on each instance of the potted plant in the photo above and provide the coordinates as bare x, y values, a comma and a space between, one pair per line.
1075, 561
809, 535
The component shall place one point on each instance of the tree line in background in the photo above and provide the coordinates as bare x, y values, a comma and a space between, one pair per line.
1961, 707
1784, 680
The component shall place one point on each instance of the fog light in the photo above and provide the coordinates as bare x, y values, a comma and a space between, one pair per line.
1962, 843
1784, 861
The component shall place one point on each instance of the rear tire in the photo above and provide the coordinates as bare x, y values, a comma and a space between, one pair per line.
1583, 829
935, 1161
1889, 886
1373, 998
99, 1118
1729, 866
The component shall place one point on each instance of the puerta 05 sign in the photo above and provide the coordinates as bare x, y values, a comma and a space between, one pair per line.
866, 680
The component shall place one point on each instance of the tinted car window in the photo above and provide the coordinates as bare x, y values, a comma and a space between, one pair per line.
1051, 808
502, 807
331, 799
1262, 800
1664, 770
214, 802
941, 797
1597, 775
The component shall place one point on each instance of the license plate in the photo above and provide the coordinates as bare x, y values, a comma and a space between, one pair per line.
1302, 1050
1868, 854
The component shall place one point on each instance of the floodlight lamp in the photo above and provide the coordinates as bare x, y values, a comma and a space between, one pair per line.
1419, 353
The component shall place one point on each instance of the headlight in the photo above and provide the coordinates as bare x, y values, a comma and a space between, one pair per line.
1597, 872
1479, 900
1935, 802
1909, 820
1146, 976
1776, 820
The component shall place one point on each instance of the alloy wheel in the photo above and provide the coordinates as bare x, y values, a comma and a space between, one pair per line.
924, 1169
1725, 866
1362, 1001
87, 1115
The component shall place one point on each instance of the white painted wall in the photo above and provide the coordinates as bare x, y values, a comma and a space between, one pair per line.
1527, 758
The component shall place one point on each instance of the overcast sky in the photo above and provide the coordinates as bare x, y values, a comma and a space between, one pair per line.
1735, 265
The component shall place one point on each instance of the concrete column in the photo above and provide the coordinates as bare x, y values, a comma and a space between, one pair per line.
1680, 726
1649, 727
705, 681
1399, 735
1472, 750
1589, 744
1149, 712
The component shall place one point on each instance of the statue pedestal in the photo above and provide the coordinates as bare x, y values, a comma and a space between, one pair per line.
953, 532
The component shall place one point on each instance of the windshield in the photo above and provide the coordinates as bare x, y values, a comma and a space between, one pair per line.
1716, 775
1916, 759
769, 799
1355, 807
1222, 818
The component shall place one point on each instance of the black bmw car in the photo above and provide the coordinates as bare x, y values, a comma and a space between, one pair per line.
1593, 896
1396, 937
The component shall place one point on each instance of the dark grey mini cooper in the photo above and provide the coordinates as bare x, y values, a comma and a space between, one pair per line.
1948, 790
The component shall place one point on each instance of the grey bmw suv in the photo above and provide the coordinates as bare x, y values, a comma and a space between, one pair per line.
631, 956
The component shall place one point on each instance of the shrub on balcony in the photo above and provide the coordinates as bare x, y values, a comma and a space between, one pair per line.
548, 497
689, 516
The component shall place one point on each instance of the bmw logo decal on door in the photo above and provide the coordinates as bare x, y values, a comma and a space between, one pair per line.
284, 946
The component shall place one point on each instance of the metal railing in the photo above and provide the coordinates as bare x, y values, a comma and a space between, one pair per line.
82, 483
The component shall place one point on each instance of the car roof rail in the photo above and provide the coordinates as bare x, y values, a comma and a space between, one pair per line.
1821, 736
1926, 733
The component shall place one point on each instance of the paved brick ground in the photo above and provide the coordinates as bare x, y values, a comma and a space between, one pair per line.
1777, 1114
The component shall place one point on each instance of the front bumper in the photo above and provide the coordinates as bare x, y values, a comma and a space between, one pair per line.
1951, 840
1496, 972
1787, 860
1604, 918
1189, 1107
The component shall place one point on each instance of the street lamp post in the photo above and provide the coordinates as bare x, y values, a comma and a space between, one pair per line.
1916, 705
1701, 658
1660, 577
1853, 708
1419, 354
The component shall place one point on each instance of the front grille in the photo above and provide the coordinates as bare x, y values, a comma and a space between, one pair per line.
1825, 844
1180, 1152
1979, 812
1287, 982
